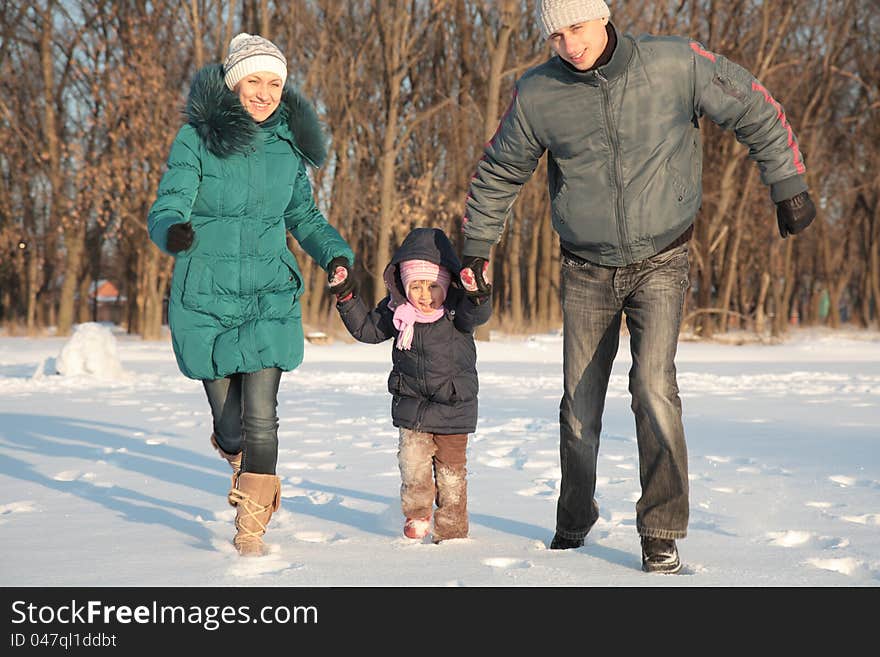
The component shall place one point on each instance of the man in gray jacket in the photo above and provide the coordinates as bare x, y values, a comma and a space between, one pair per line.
619, 119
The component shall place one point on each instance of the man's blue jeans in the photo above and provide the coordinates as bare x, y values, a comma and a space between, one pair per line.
244, 408
651, 294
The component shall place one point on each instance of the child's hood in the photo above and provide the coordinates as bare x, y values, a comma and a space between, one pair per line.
429, 244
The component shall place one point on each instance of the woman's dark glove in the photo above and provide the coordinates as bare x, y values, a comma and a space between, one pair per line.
180, 237
340, 279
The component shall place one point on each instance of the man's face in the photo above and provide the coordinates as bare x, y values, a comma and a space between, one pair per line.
580, 44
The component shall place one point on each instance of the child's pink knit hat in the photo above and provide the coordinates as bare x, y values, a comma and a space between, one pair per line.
423, 270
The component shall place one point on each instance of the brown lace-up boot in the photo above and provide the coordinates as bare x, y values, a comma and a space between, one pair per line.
256, 497
234, 460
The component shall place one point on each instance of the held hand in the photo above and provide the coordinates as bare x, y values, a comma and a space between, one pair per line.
795, 214
339, 279
473, 278
180, 237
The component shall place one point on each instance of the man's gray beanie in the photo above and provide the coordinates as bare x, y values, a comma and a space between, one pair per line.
556, 14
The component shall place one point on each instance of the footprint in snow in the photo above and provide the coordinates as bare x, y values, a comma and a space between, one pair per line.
846, 481
320, 498
318, 455
498, 463
506, 563
790, 538
73, 475
7, 510
254, 567
821, 505
844, 565
538, 465
318, 537
864, 519
545, 488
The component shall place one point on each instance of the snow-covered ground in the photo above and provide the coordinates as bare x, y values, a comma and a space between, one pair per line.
112, 481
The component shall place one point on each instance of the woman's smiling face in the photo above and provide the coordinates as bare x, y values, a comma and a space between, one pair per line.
260, 94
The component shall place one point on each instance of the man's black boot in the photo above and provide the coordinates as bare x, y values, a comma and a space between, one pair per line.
659, 555
561, 543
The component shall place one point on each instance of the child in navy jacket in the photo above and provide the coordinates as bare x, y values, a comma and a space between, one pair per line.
433, 380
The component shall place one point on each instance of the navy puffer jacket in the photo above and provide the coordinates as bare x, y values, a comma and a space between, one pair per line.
434, 383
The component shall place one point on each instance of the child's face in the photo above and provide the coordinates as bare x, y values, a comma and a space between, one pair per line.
425, 295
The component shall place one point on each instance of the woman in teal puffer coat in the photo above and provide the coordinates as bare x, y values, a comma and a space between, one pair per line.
236, 183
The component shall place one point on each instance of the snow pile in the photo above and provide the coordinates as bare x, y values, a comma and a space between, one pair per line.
90, 351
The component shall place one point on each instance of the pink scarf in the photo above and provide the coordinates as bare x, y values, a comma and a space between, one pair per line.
405, 317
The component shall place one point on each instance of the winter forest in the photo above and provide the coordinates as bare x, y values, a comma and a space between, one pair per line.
91, 93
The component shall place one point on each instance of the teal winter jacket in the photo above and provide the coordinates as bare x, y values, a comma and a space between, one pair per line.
233, 303
623, 146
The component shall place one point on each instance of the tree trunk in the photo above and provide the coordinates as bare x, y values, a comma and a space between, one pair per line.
874, 282
532, 270
784, 290
760, 308
53, 147
545, 275
196, 23
514, 277
152, 288
74, 241
732, 265
386, 208
33, 284
497, 59
83, 306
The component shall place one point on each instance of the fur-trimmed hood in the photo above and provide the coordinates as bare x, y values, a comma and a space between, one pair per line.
225, 126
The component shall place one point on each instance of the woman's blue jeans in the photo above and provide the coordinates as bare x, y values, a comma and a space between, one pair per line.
651, 295
244, 409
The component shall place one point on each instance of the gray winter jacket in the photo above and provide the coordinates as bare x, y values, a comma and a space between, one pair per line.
433, 384
624, 149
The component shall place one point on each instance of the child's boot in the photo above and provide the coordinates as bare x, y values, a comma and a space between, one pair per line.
417, 527
451, 516
256, 497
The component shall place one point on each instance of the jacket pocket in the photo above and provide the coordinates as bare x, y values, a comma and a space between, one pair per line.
400, 385
463, 389
394, 383
283, 287
682, 187
202, 294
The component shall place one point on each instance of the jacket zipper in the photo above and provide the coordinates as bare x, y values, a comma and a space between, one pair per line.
420, 411
618, 171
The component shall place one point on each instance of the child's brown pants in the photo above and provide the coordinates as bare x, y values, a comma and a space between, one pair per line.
426, 458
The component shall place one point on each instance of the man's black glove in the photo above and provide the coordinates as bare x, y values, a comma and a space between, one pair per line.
180, 237
473, 278
795, 214
339, 278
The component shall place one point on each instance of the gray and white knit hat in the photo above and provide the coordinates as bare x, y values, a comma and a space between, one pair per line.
250, 53
556, 14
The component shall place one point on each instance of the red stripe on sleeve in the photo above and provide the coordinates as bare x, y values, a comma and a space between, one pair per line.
703, 53
792, 144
